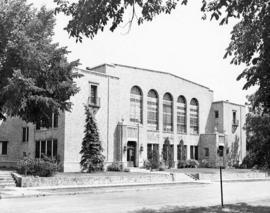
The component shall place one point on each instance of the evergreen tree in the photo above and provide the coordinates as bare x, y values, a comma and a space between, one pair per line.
92, 158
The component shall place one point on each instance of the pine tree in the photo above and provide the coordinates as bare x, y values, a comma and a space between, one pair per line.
92, 158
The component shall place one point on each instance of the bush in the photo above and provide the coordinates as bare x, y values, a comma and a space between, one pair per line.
147, 164
115, 167
193, 163
126, 170
204, 164
248, 162
38, 167
182, 164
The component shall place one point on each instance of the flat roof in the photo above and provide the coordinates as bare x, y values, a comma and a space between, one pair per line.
149, 70
228, 102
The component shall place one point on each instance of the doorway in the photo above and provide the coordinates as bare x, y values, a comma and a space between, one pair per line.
131, 154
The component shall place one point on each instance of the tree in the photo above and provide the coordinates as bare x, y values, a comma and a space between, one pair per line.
92, 159
250, 40
36, 78
258, 138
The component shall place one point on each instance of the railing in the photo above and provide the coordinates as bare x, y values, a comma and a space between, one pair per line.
94, 102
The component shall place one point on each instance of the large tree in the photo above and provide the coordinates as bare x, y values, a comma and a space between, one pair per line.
35, 76
250, 41
258, 137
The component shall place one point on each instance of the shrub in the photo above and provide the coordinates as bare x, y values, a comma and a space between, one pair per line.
147, 164
204, 164
115, 167
37, 167
126, 170
182, 164
193, 163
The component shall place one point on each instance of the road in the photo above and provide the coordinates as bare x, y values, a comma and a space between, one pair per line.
136, 200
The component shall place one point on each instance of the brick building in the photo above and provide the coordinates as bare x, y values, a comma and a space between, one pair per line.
136, 110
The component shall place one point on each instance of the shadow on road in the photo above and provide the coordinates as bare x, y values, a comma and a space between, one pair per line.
233, 208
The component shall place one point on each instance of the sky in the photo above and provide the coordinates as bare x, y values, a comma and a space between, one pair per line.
180, 43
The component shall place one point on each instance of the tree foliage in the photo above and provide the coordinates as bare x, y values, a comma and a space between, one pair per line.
250, 40
92, 158
35, 76
258, 140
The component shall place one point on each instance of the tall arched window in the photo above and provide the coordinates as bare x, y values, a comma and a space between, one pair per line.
168, 112
194, 116
181, 115
136, 101
152, 110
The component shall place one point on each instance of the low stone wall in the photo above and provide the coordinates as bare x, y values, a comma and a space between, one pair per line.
233, 176
93, 180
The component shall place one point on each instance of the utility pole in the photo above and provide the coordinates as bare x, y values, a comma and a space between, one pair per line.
221, 187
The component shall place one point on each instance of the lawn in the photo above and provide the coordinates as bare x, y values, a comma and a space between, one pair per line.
232, 208
210, 170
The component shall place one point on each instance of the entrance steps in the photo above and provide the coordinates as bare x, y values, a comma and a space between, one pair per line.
6, 179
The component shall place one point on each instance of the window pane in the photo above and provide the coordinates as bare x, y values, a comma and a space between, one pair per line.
55, 148
37, 149
152, 110
181, 115
49, 148
4, 147
43, 148
136, 105
23, 134
55, 121
167, 113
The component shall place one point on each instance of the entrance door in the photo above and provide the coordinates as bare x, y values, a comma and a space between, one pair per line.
131, 154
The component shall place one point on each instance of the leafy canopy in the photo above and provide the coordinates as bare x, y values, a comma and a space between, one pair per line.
250, 40
35, 76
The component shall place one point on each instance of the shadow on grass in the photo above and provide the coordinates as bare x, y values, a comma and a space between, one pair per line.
233, 208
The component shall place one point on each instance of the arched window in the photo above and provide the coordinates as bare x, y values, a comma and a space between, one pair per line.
181, 115
152, 110
194, 116
136, 101
167, 113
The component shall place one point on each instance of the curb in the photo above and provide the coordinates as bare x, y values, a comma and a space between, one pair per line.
94, 189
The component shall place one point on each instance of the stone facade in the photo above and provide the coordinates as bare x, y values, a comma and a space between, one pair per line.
124, 140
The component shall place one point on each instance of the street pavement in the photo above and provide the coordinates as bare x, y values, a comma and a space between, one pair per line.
165, 197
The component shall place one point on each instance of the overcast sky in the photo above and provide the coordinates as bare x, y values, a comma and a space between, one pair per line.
180, 43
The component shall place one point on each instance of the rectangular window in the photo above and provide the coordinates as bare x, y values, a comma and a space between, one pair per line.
3, 147
196, 152
25, 134
216, 114
46, 147
206, 152
93, 94
234, 117
191, 152
152, 151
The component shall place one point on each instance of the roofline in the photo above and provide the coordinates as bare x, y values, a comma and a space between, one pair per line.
96, 73
150, 70
228, 102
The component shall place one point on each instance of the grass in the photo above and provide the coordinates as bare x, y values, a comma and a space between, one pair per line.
210, 170
232, 208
